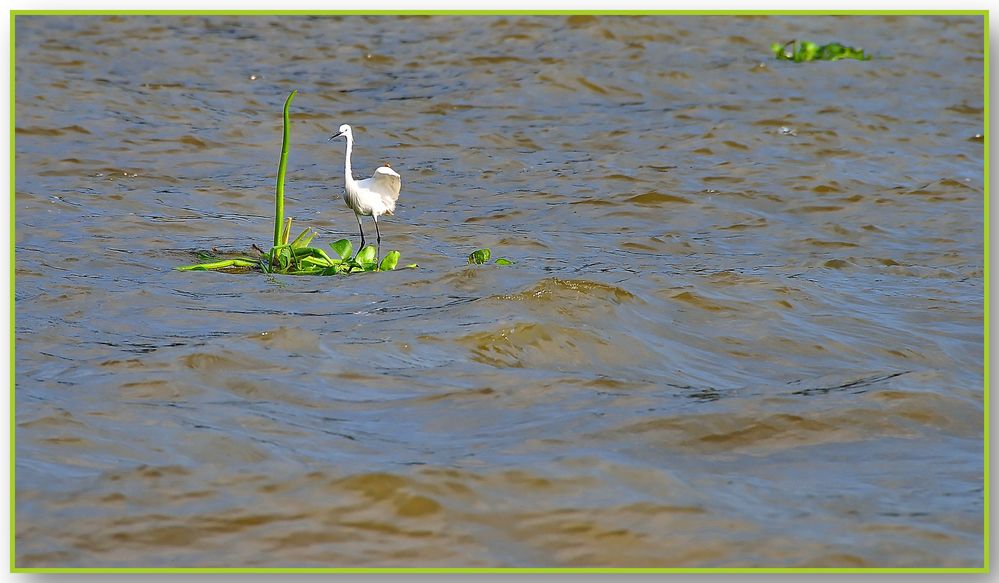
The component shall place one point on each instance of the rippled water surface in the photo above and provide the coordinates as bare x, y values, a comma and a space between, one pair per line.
744, 326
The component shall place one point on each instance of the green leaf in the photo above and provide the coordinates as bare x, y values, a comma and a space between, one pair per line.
282, 166
503, 261
275, 254
218, 265
343, 248
315, 270
803, 51
315, 252
412, 266
807, 52
479, 257
284, 257
302, 240
389, 261
202, 266
366, 256
317, 261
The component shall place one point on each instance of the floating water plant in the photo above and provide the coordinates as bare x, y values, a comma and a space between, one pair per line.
481, 256
296, 257
808, 51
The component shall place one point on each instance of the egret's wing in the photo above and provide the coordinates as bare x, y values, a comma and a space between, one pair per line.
387, 183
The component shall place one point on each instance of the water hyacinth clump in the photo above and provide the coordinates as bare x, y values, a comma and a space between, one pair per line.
480, 256
804, 51
298, 258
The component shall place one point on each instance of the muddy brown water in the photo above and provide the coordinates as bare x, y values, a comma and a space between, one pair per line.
744, 326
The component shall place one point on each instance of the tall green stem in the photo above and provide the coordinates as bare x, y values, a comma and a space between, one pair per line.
279, 193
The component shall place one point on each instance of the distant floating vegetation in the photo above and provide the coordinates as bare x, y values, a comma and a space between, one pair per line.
808, 51
480, 256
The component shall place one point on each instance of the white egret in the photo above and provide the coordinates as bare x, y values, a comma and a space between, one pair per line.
370, 197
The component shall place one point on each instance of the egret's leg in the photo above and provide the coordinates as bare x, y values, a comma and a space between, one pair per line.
378, 241
359, 228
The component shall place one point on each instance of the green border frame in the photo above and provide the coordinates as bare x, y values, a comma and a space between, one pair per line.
501, 12
393, 570
985, 324
13, 242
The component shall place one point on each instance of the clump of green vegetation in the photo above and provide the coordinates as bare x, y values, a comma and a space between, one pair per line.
481, 256
808, 51
297, 257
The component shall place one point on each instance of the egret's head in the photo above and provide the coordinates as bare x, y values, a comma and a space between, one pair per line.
343, 131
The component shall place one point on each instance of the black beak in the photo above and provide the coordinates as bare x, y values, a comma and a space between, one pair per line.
333, 137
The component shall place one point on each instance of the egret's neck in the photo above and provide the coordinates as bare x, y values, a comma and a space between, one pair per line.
347, 176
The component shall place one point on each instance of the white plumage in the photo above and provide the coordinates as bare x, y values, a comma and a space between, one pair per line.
371, 197
376, 195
